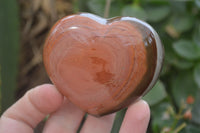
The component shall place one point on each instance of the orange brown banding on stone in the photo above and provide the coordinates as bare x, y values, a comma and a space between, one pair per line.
99, 67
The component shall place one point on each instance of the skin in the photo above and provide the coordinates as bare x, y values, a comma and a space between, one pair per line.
36, 104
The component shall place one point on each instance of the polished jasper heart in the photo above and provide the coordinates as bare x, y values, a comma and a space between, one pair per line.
102, 65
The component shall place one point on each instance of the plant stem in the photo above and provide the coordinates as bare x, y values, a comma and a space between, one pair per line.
178, 116
75, 5
82, 122
107, 8
178, 129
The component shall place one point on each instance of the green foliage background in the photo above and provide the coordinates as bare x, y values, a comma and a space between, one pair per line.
9, 51
177, 23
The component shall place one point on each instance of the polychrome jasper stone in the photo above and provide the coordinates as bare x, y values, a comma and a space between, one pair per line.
102, 65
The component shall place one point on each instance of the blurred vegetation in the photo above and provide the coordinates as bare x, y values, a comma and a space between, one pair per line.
175, 99
9, 46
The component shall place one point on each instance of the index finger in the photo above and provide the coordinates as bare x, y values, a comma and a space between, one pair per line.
136, 119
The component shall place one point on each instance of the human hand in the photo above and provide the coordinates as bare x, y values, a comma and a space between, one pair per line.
37, 103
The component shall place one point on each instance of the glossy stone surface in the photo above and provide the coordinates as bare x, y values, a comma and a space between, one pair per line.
102, 65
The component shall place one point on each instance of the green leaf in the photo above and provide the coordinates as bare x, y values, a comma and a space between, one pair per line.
118, 121
182, 23
182, 85
9, 50
156, 94
187, 49
197, 74
182, 63
171, 58
178, 6
177, 61
134, 11
157, 13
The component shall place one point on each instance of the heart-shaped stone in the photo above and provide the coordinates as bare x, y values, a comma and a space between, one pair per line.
102, 65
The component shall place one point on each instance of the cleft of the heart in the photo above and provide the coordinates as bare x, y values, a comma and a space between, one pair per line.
102, 65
